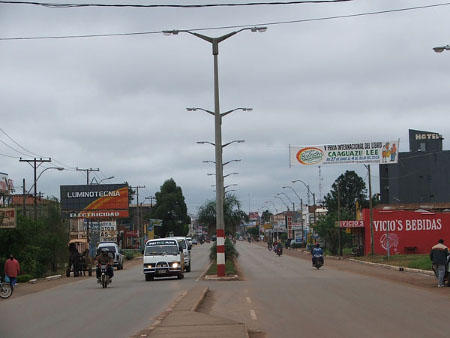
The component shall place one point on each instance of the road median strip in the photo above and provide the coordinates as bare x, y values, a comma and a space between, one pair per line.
183, 320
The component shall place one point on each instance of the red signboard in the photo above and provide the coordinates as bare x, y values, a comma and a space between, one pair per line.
351, 224
130, 233
408, 231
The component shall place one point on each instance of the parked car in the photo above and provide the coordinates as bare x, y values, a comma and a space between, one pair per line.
114, 251
194, 241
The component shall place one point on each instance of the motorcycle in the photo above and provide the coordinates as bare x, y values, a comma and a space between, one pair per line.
104, 276
269, 247
279, 251
318, 261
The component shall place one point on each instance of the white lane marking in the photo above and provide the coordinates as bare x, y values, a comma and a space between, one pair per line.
248, 300
253, 314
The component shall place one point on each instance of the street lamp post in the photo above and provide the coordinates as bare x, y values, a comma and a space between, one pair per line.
220, 224
276, 210
307, 188
293, 206
287, 206
35, 188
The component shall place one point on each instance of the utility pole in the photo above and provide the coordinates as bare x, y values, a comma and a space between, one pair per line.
87, 183
34, 163
24, 204
138, 223
301, 213
371, 213
339, 219
87, 173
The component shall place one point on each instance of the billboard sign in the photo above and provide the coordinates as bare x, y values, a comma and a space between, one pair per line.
4, 183
95, 201
351, 224
8, 218
349, 153
406, 230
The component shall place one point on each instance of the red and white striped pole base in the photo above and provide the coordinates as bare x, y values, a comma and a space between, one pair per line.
220, 253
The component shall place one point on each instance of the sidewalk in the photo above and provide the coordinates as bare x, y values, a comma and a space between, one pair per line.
183, 321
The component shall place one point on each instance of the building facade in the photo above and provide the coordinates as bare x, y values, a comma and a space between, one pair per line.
421, 175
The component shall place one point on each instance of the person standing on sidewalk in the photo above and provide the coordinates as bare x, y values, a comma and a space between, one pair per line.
12, 270
438, 256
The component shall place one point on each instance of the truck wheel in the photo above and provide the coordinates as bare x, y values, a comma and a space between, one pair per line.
180, 275
188, 268
68, 272
90, 272
149, 277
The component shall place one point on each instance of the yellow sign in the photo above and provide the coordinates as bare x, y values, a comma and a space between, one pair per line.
348, 230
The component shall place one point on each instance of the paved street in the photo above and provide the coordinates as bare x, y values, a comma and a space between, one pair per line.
284, 296
84, 309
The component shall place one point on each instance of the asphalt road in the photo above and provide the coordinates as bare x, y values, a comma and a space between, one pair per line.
84, 309
286, 297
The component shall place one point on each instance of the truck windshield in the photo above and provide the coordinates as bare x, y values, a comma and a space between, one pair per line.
155, 250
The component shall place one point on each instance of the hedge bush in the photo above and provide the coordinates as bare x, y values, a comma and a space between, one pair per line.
230, 251
24, 278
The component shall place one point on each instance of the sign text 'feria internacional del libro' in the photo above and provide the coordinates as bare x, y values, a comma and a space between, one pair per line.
346, 153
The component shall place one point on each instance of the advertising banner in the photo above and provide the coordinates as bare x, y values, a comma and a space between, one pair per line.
95, 201
8, 218
408, 231
4, 183
348, 153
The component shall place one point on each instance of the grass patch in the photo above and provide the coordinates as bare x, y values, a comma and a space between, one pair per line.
410, 261
229, 268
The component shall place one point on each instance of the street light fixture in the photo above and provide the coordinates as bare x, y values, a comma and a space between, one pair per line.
293, 206
307, 187
35, 188
104, 179
441, 49
220, 223
223, 146
276, 210
222, 114
276, 196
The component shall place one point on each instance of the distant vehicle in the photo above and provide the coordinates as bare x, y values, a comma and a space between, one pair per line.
163, 257
186, 251
241, 238
194, 242
115, 251
214, 238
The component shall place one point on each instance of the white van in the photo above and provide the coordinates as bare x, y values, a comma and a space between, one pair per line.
163, 257
187, 246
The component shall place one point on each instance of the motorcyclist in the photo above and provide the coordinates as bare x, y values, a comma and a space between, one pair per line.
105, 259
269, 245
317, 251
279, 248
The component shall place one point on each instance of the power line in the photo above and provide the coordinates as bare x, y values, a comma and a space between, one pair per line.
231, 26
19, 144
276, 3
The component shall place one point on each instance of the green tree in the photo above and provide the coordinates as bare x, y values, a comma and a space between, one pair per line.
233, 215
351, 189
40, 246
266, 215
171, 209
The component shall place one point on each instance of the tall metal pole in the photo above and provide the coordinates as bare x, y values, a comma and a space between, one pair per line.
301, 213
371, 212
339, 219
220, 222
24, 204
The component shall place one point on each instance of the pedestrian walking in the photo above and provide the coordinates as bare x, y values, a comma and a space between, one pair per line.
12, 269
438, 256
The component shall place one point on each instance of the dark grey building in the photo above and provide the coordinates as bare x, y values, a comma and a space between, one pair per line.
421, 175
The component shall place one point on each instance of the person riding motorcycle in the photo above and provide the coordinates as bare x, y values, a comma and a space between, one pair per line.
317, 251
105, 259
279, 249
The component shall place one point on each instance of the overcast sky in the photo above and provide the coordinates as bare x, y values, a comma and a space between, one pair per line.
119, 103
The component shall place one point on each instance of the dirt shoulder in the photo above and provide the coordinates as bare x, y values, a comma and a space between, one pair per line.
42, 284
